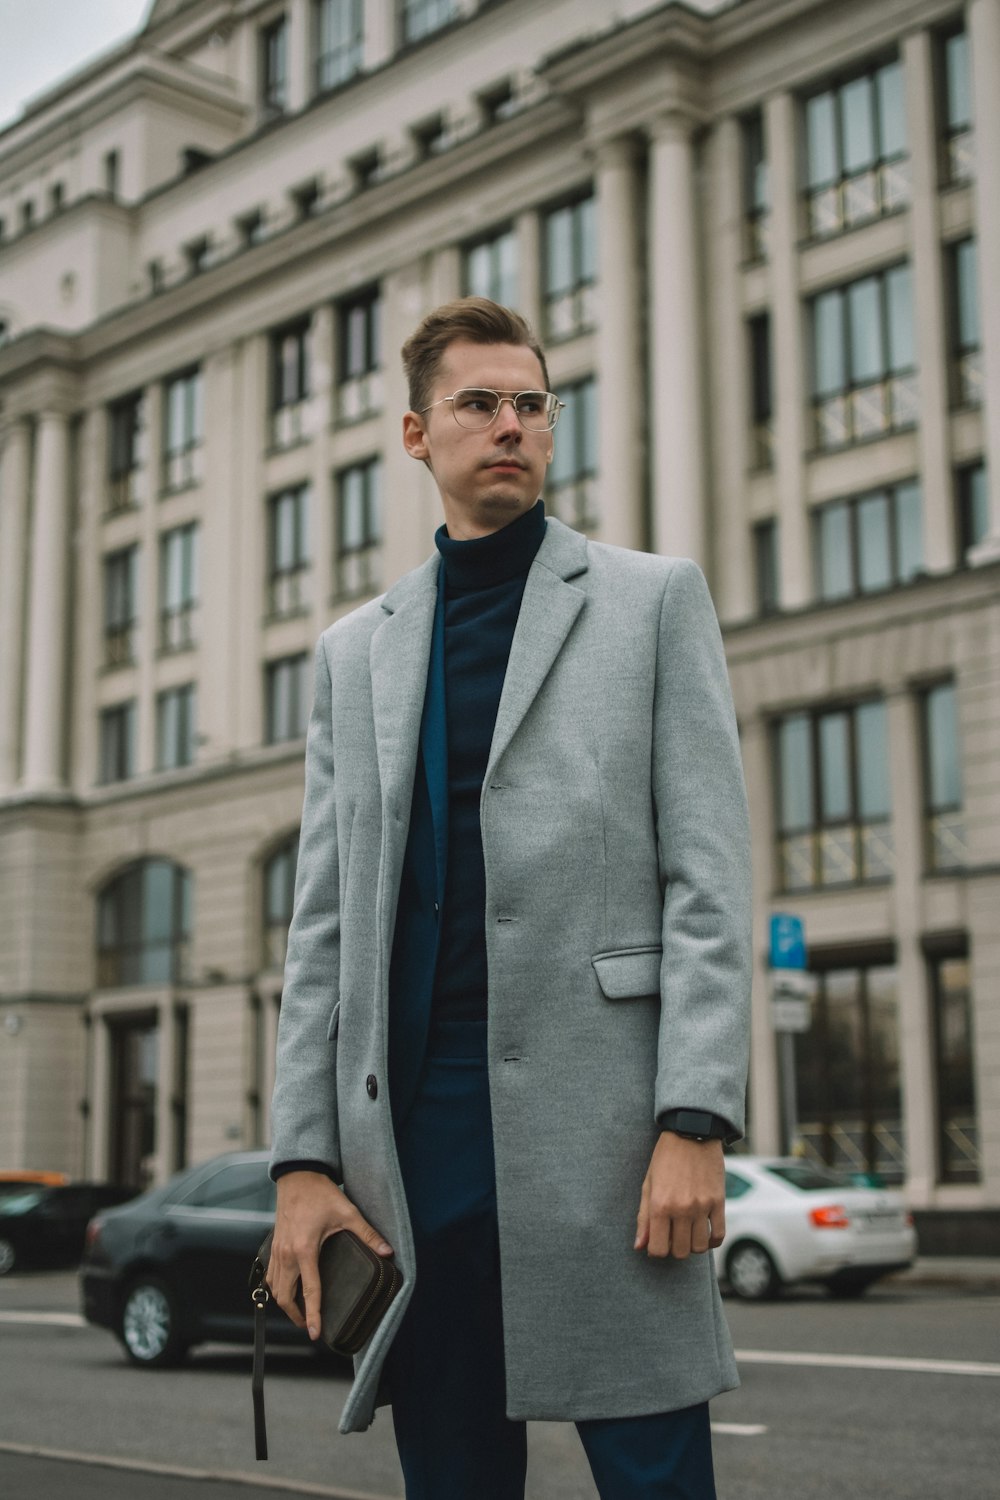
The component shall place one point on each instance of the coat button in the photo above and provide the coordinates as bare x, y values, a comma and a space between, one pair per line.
371, 1084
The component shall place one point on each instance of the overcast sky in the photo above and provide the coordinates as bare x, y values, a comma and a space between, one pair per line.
41, 41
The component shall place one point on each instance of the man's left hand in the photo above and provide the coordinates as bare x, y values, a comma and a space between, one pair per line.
683, 1206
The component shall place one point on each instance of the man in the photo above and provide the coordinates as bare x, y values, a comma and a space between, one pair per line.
514, 1027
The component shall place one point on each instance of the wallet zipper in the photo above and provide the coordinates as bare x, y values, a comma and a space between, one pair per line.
357, 1323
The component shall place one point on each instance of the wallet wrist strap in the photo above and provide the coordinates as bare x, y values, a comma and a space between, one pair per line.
260, 1301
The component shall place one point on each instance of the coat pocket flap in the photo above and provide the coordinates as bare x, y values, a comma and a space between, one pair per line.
334, 1026
625, 972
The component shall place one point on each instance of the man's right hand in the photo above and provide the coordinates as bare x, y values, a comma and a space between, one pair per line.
310, 1209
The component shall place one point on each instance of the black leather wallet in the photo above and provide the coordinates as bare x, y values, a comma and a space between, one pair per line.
356, 1288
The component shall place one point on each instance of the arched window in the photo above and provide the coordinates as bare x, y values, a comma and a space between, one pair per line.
279, 890
144, 925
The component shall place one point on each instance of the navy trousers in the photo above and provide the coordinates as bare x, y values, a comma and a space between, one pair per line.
446, 1364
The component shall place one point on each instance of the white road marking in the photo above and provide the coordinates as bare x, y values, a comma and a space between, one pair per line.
53, 1319
866, 1362
740, 1429
176, 1471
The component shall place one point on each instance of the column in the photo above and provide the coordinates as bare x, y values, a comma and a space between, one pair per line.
676, 405
91, 468
99, 1157
928, 296
147, 636
48, 583
299, 54
529, 252
445, 275
983, 26
380, 29
764, 1126
915, 1029
412, 508
619, 355
321, 467
790, 378
732, 556
15, 469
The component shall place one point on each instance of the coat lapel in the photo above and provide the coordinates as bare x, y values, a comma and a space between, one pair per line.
548, 610
399, 657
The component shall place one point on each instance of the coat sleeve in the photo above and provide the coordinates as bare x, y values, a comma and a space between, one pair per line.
703, 847
304, 1106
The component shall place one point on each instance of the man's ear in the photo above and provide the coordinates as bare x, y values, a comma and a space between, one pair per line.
415, 436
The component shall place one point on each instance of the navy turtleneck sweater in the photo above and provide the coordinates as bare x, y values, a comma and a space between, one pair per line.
484, 581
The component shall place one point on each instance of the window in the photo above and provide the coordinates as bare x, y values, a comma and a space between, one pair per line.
868, 542
175, 727
570, 271
339, 40
499, 102
848, 1074
366, 169
154, 271
973, 507
306, 198
117, 743
274, 68
491, 268
196, 255
184, 430
287, 688
57, 197
755, 187
956, 89
27, 214
833, 802
112, 173
251, 228
571, 487
967, 362
144, 925
288, 552
359, 325
359, 529
765, 553
421, 17
290, 351
856, 154
430, 137
120, 606
864, 359
954, 1059
943, 821
126, 451
279, 893
761, 410
178, 587
243, 1187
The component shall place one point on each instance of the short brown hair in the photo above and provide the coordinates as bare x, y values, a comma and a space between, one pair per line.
476, 319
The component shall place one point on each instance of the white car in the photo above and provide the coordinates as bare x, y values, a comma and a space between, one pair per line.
789, 1220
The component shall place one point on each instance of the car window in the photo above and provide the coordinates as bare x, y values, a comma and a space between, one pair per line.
20, 1203
809, 1179
241, 1185
736, 1185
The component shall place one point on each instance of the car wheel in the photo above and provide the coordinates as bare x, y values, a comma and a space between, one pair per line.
149, 1328
8, 1257
751, 1272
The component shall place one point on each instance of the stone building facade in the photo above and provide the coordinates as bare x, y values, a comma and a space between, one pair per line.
758, 245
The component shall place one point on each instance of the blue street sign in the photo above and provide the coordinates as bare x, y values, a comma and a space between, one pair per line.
788, 942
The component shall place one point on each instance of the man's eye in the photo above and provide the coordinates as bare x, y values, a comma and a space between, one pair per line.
532, 405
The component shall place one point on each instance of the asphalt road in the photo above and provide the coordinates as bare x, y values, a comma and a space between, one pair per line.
896, 1397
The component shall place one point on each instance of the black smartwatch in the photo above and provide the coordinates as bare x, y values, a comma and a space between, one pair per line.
695, 1124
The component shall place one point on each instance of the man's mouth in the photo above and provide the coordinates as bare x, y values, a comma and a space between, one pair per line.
505, 463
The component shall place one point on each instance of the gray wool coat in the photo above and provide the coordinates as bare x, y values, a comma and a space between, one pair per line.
618, 933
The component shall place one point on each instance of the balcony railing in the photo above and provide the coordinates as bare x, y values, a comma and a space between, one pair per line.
867, 411
858, 199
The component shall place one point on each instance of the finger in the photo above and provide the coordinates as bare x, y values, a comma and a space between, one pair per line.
642, 1218
718, 1226
680, 1238
310, 1300
365, 1231
660, 1231
700, 1236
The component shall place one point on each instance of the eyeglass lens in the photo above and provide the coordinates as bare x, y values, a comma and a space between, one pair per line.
536, 410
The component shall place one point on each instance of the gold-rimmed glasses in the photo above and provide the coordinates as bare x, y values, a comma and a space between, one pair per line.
537, 411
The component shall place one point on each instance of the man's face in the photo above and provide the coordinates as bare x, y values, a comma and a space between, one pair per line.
487, 477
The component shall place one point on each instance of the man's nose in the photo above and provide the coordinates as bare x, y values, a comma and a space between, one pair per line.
506, 422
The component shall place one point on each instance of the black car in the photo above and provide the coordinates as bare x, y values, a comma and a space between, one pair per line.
45, 1226
171, 1269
